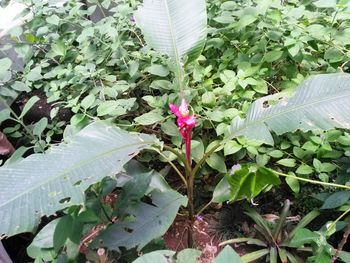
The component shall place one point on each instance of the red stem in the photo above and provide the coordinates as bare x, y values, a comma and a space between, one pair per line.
188, 147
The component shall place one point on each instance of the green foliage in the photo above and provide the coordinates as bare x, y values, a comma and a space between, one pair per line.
188, 255
314, 106
227, 255
247, 182
145, 223
178, 32
83, 223
107, 69
276, 235
65, 172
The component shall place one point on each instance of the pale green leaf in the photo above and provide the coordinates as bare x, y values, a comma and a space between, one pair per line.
228, 255
217, 162
30, 103
293, 183
321, 102
40, 126
303, 236
272, 56
41, 181
149, 118
5, 64
325, 3
155, 257
88, 101
176, 28
188, 255
288, 162
54, 19
158, 70
20, 86
304, 169
231, 147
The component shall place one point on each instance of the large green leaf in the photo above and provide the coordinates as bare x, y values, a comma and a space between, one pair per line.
228, 255
321, 102
244, 183
173, 27
145, 223
160, 256
44, 183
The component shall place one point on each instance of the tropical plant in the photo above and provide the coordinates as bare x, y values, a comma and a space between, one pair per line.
77, 227
100, 71
274, 235
189, 255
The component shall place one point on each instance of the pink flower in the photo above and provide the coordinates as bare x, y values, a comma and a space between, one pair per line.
185, 124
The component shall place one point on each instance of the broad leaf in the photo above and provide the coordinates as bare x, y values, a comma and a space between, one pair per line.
228, 255
303, 236
244, 183
304, 221
44, 183
42, 245
160, 256
336, 199
145, 223
321, 102
174, 27
188, 255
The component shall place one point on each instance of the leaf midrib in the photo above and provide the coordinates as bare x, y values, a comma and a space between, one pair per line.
71, 168
263, 120
146, 222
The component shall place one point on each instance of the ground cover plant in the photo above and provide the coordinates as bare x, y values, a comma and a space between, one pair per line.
219, 100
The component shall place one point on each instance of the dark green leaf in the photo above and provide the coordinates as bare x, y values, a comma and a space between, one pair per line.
62, 231
147, 222
336, 199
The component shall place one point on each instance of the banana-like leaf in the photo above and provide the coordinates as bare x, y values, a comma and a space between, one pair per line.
45, 183
320, 103
145, 223
176, 28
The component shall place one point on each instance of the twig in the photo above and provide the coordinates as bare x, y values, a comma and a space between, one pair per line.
342, 243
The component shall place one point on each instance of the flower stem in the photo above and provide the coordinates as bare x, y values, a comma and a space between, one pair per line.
188, 149
190, 195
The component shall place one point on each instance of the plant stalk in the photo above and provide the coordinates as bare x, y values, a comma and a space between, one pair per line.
190, 190
311, 181
342, 243
339, 218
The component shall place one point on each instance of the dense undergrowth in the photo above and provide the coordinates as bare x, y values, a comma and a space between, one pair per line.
103, 69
